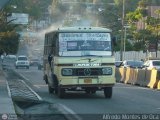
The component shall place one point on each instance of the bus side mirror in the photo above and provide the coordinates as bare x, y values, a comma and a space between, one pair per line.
114, 41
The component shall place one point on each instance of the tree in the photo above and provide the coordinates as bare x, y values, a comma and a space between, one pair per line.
150, 33
9, 39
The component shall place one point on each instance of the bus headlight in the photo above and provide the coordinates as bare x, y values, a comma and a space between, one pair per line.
67, 72
107, 71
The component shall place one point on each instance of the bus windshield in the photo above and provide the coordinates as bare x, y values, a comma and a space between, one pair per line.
84, 44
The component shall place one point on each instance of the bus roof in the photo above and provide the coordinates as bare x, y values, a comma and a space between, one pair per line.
82, 29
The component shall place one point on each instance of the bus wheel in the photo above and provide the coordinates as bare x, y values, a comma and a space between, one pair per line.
108, 92
50, 89
55, 83
61, 92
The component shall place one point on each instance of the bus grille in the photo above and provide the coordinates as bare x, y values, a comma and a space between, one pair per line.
87, 71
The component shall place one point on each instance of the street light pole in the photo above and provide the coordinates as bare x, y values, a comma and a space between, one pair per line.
124, 50
125, 34
122, 34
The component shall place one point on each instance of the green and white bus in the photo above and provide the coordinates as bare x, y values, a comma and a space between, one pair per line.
79, 58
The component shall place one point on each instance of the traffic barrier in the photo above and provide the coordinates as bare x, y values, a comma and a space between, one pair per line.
145, 82
134, 76
158, 80
158, 75
118, 75
123, 74
144, 78
127, 75
130, 76
141, 74
158, 85
153, 79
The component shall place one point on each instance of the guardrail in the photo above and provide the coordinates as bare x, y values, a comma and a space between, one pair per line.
145, 78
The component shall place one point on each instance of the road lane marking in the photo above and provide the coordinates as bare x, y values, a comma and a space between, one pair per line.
9, 91
70, 114
33, 91
24, 77
39, 86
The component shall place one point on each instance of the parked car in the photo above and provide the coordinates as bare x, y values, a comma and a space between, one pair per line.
10, 58
152, 64
132, 64
22, 61
118, 63
34, 62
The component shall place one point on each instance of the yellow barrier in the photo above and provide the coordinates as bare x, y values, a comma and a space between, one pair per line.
146, 81
134, 76
158, 80
123, 74
153, 79
127, 75
158, 85
131, 75
141, 74
147, 78
118, 75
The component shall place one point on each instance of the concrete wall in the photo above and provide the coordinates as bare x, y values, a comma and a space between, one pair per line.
136, 55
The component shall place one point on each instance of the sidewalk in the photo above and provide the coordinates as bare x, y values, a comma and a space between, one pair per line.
7, 111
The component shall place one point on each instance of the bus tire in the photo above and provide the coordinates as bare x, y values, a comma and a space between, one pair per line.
108, 92
55, 83
61, 92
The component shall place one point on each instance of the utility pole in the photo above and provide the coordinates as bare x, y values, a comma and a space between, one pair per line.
122, 31
157, 40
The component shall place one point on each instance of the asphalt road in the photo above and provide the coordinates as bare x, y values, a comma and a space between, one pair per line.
127, 99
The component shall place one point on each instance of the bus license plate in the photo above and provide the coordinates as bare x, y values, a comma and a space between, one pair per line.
88, 80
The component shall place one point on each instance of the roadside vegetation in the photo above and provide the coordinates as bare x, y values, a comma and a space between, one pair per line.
108, 15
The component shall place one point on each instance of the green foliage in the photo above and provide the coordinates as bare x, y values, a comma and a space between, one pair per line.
9, 39
138, 46
142, 4
9, 44
118, 46
133, 16
149, 34
142, 37
129, 46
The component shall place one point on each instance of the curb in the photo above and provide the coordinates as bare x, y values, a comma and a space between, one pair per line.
12, 115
